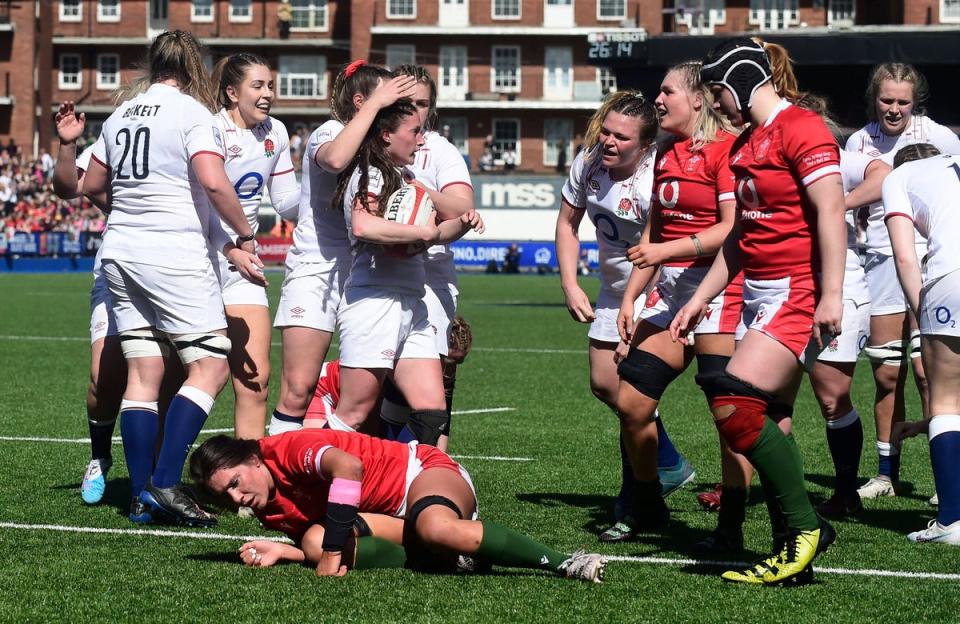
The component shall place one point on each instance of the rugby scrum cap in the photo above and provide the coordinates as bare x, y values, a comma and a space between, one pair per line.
740, 65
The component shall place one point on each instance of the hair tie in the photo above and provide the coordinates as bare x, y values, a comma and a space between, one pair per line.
353, 67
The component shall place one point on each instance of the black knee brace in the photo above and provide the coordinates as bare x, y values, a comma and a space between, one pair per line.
709, 369
428, 425
419, 557
779, 410
361, 528
729, 385
647, 373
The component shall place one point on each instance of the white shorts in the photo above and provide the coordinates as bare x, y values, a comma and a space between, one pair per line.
855, 329
378, 328
886, 295
236, 289
604, 325
311, 294
102, 321
673, 290
940, 306
174, 301
441, 308
415, 467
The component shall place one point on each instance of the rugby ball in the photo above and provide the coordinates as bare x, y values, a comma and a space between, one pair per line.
409, 205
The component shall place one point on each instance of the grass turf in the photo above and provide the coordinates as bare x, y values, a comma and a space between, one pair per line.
562, 497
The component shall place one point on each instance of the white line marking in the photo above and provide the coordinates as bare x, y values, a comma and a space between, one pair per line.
494, 458
940, 576
520, 350
489, 410
49, 338
151, 532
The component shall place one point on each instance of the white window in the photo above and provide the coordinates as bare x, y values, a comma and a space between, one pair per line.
607, 79
402, 9
774, 14
557, 135
505, 69
201, 11
949, 11
308, 14
455, 130
70, 77
558, 73
611, 9
842, 12
108, 10
303, 77
506, 9
506, 137
241, 11
701, 16
401, 54
108, 71
71, 10
558, 13
452, 77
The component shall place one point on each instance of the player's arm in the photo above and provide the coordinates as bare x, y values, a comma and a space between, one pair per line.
96, 184
211, 175
345, 473
369, 227
708, 242
898, 216
568, 255
452, 202
636, 284
826, 195
282, 184
265, 553
70, 125
868, 191
454, 229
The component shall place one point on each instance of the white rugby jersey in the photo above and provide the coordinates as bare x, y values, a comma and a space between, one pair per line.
159, 212
320, 235
872, 141
438, 165
257, 158
618, 209
82, 162
372, 266
853, 166
926, 192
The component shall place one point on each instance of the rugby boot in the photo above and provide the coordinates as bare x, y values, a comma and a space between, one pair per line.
792, 565
177, 503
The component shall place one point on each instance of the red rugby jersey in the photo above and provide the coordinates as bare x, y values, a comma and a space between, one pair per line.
300, 498
688, 188
326, 396
772, 165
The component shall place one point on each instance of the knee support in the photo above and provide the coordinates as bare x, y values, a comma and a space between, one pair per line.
709, 369
419, 557
428, 425
361, 528
779, 410
889, 353
193, 347
647, 373
915, 344
742, 428
138, 343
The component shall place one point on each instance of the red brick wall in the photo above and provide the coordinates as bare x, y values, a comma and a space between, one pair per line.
17, 60
916, 11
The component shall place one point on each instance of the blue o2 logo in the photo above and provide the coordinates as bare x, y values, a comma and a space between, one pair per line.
607, 228
944, 317
250, 192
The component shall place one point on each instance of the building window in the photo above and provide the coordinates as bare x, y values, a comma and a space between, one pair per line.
557, 135
506, 9
108, 10
842, 12
950, 11
241, 11
558, 72
303, 77
505, 69
308, 14
201, 11
71, 10
611, 9
607, 79
108, 71
452, 74
774, 14
506, 136
701, 16
401, 54
69, 77
401, 9
455, 130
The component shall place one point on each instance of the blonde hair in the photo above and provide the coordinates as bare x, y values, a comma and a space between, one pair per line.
629, 103
177, 55
709, 122
897, 72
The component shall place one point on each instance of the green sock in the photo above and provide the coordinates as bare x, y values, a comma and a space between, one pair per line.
777, 459
376, 552
506, 547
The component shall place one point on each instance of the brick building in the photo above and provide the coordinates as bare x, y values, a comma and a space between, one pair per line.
21, 50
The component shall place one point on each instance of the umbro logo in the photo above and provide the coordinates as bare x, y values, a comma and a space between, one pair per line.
297, 312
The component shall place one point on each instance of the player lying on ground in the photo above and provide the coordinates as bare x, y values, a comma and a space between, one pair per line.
323, 477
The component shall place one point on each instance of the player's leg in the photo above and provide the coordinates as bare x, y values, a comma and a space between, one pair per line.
420, 381
831, 382
108, 378
886, 352
249, 331
303, 351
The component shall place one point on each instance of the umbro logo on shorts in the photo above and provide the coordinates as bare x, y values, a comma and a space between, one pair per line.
297, 312
388, 354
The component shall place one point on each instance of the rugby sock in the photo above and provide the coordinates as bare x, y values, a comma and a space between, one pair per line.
945, 457
845, 439
667, 455
282, 423
393, 420
777, 460
733, 510
139, 427
627, 480
504, 546
889, 457
185, 417
375, 552
101, 438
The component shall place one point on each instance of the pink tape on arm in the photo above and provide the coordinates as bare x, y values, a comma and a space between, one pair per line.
344, 492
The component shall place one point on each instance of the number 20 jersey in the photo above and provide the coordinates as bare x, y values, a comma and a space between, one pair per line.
159, 211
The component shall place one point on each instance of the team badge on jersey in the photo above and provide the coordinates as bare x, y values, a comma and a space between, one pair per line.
217, 137
695, 163
268, 148
625, 207
761, 152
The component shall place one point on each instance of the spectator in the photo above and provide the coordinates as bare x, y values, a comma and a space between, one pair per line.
562, 156
46, 163
511, 260
509, 160
486, 161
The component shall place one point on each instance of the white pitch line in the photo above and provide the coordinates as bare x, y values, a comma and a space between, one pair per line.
494, 458
150, 532
488, 410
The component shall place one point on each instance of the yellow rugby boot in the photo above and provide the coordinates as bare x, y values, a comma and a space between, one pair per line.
792, 565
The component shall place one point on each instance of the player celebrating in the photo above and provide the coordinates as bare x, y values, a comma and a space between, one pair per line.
257, 159
922, 195
692, 213
319, 259
895, 99
791, 210
301, 479
611, 180
156, 156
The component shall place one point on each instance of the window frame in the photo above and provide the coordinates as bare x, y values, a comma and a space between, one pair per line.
240, 19
101, 17
460, 122
67, 86
493, 69
196, 18
71, 17
395, 15
518, 141
406, 50
546, 141
314, 8
493, 10
601, 77
284, 79
104, 86
949, 20
609, 18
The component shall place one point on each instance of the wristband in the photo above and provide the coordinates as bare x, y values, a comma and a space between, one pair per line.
696, 245
245, 239
343, 502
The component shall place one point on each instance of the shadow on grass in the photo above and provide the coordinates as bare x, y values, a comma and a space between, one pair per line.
905, 489
216, 557
517, 304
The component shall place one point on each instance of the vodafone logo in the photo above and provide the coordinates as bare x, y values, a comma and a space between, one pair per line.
747, 194
669, 193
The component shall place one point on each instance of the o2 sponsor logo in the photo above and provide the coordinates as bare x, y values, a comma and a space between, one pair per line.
944, 316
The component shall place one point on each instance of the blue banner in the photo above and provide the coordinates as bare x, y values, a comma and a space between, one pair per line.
532, 255
53, 243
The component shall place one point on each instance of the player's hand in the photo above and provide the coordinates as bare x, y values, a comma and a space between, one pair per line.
578, 305
471, 220
827, 319
330, 565
903, 430
686, 319
260, 553
621, 352
429, 232
625, 321
249, 246
646, 255
70, 123
392, 90
248, 264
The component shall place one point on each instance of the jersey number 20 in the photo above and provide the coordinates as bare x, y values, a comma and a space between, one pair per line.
140, 158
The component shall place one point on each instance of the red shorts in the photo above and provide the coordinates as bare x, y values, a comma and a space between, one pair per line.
782, 309
432, 457
723, 313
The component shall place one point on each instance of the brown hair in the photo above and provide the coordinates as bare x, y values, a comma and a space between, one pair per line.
709, 122
363, 79
230, 72
917, 151
177, 55
422, 76
220, 452
897, 72
784, 80
629, 103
